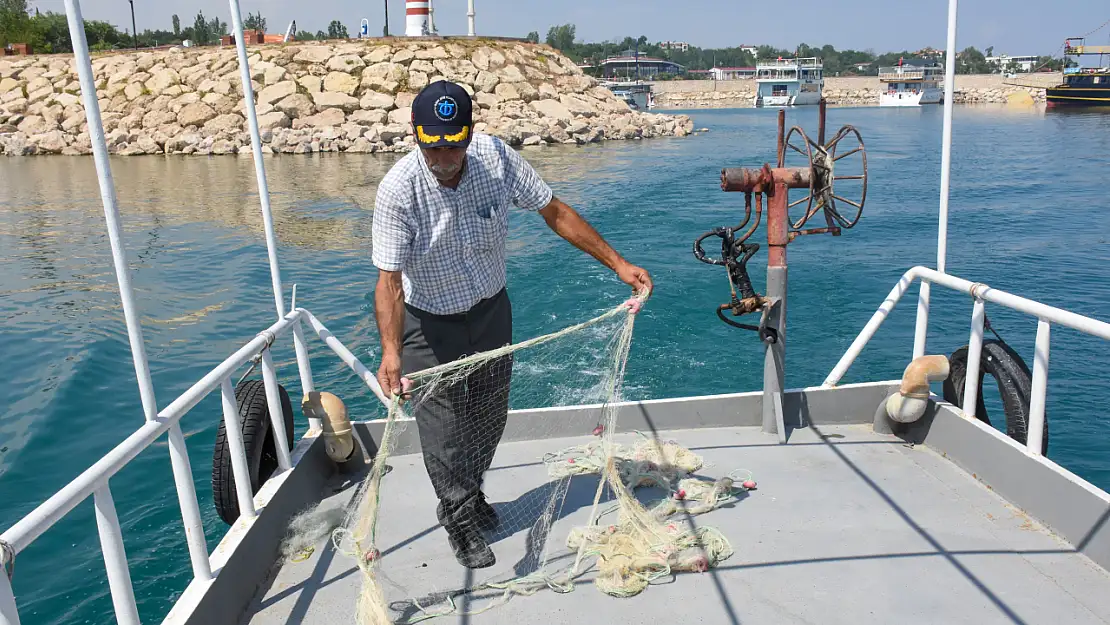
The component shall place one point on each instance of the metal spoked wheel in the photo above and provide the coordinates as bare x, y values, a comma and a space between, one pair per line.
796, 147
848, 177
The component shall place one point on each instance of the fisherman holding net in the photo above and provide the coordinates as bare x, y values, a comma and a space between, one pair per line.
439, 243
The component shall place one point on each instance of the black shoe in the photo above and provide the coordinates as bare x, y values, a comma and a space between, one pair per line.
485, 515
471, 548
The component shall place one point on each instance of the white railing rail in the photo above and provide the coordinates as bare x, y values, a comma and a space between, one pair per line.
94, 480
981, 294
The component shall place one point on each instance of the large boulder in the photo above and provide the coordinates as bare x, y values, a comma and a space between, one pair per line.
196, 114
328, 99
375, 100
224, 123
553, 109
340, 82
313, 54
329, 117
368, 118
345, 63
276, 92
296, 105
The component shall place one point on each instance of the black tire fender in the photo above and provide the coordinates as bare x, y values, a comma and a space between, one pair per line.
258, 442
1014, 380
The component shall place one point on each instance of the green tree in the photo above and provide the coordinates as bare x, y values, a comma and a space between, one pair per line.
561, 37
534, 37
255, 21
217, 28
202, 34
176, 26
336, 30
15, 23
321, 35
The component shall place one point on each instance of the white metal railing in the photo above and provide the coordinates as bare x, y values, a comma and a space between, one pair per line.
94, 480
981, 293
891, 73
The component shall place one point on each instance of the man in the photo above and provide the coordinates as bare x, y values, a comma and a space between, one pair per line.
440, 229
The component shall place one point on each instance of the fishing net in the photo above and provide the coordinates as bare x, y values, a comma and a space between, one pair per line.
623, 542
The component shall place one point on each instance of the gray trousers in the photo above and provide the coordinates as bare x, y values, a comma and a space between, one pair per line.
460, 424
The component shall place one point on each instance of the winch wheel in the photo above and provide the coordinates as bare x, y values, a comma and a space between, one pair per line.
1014, 381
258, 441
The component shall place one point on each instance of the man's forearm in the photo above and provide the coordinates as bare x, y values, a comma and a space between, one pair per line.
389, 308
567, 223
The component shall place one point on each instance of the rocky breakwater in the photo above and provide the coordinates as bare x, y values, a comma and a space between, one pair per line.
330, 97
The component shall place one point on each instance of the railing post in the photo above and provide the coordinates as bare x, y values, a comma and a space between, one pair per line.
115, 557
974, 356
9, 614
304, 367
1035, 435
277, 415
921, 331
187, 499
239, 467
256, 148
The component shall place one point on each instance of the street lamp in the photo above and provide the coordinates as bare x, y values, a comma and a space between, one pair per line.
134, 32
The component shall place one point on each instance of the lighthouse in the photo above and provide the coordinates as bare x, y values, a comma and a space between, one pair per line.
416, 18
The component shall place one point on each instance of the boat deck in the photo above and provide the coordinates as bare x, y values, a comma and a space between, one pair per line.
846, 526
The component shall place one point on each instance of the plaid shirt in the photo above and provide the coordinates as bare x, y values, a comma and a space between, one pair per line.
449, 244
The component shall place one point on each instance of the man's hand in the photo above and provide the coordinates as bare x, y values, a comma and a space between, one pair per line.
389, 377
635, 277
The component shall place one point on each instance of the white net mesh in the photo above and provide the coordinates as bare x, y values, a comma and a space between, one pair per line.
460, 410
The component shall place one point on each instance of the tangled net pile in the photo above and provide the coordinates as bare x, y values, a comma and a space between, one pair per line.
631, 544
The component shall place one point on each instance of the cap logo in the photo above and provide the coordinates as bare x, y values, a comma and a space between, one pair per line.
446, 108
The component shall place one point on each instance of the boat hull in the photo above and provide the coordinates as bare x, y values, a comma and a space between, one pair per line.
1077, 97
804, 98
909, 98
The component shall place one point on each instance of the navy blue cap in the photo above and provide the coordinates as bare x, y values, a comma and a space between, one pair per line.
443, 115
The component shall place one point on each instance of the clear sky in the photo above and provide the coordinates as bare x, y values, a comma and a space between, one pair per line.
1011, 26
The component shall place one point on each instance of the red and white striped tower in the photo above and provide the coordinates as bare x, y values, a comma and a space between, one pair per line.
416, 18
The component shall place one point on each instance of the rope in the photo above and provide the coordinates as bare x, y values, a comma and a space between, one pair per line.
270, 339
7, 558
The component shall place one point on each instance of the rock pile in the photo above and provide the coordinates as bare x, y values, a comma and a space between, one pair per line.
311, 97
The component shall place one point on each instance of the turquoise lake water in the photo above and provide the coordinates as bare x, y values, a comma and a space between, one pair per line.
1029, 200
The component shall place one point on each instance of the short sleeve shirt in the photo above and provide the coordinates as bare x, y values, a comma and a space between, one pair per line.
450, 244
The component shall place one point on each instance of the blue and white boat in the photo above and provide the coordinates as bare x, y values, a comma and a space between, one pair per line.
789, 82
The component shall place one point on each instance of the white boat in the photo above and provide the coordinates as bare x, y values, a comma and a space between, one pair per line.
789, 82
891, 503
912, 84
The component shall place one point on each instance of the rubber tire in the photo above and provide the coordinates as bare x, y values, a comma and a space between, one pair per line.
258, 441
1014, 381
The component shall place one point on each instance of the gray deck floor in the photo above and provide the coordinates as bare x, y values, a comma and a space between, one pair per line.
846, 527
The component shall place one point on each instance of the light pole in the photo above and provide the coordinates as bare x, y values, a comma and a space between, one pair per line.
134, 32
386, 30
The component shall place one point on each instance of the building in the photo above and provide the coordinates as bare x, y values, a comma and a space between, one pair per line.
17, 49
681, 46
253, 37
1025, 63
631, 65
724, 73
752, 50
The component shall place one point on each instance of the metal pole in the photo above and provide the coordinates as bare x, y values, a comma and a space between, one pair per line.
115, 557
1035, 436
111, 210
304, 368
134, 29
179, 457
259, 164
277, 416
470, 16
385, 29
239, 467
922, 330
9, 614
974, 355
774, 354
187, 499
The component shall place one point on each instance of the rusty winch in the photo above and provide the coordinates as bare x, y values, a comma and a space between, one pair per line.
833, 178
